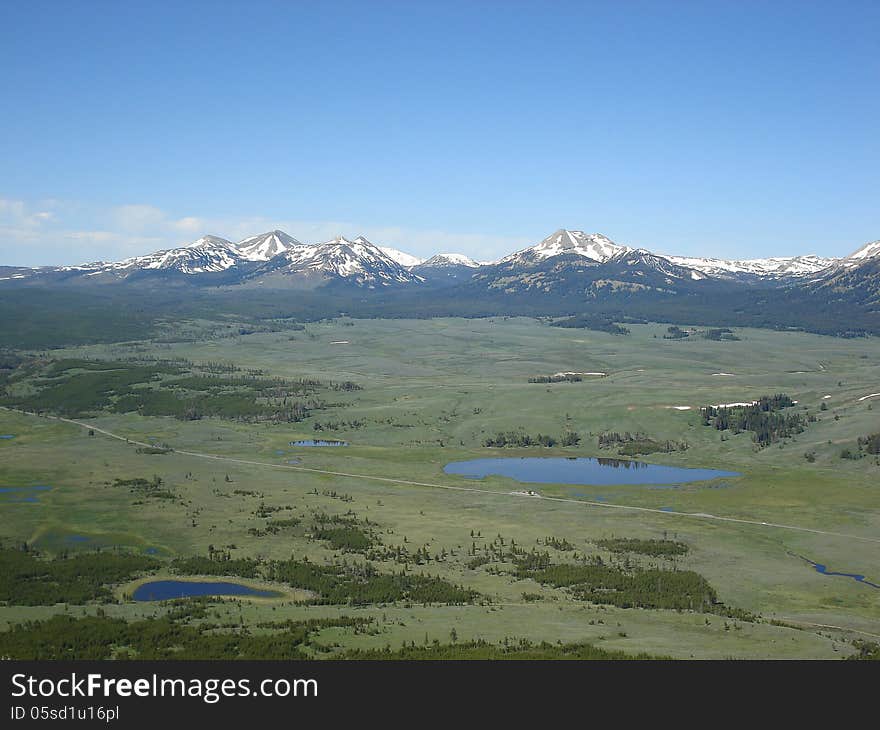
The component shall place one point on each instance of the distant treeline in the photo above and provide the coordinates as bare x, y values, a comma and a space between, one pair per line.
516, 438
592, 322
54, 316
558, 378
522, 650
719, 334
634, 444
762, 418
654, 548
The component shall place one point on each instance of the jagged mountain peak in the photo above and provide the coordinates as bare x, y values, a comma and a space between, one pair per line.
565, 255
594, 246
209, 240
267, 245
209, 254
358, 261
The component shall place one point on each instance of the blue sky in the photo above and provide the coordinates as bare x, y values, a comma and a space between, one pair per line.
735, 129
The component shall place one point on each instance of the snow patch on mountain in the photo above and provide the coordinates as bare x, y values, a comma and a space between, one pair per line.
266, 245
868, 251
358, 260
442, 260
775, 267
209, 254
404, 259
639, 259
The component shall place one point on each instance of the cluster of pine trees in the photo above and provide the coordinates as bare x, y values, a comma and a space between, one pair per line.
174, 636
517, 438
360, 585
634, 444
558, 378
633, 588
596, 322
870, 443
151, 488
762, 418
654, 548
26, 579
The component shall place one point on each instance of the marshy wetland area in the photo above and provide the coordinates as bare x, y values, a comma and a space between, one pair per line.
191, 458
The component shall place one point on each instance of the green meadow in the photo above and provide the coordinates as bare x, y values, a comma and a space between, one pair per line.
431, 392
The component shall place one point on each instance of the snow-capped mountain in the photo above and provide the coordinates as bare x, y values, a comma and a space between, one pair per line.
593, 246
266, 246
770, 268
571, 260
357, 261
442, 260
855, 278
407, 260
446, 268
640, 260
868, 251
807, 266
209, 254
568, 260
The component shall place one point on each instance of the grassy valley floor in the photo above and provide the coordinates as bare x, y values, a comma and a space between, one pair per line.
431, 392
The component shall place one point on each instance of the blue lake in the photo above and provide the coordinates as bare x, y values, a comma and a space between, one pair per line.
318, 442
6, 436
581, 470
164, 590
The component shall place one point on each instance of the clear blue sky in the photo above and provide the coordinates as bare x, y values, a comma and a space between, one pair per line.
722, 128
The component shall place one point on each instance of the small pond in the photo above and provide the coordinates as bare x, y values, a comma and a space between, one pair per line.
6, 436
581, 470
165, 590
318, 442
22, 494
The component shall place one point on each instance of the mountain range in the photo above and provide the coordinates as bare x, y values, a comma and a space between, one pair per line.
278, 258
568, 272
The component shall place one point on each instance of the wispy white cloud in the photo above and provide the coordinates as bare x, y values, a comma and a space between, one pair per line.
17, 214
59, 232
138, 217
